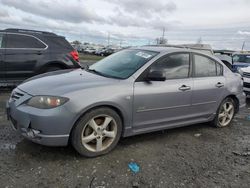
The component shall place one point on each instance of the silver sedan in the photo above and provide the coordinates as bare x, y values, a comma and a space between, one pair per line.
133, 91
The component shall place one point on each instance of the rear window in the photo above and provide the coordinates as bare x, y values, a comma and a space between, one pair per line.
23, 41
58, 42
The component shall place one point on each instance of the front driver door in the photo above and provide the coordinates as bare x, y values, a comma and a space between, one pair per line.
159, 104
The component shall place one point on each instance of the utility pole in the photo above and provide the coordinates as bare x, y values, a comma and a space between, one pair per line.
108, 38
163, 33
243, 45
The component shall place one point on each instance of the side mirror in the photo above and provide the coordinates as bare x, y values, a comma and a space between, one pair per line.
156, 76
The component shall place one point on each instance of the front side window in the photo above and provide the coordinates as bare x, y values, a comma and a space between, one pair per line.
175, 66
204, 67
122, 64
23, 41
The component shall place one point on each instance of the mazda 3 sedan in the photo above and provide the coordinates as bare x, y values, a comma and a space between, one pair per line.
134, 91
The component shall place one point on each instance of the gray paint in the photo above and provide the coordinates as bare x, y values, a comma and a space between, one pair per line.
144, 106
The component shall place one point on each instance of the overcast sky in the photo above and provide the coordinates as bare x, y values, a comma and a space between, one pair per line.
223, 23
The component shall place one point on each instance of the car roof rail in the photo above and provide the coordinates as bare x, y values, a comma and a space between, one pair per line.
29, 31
199, 47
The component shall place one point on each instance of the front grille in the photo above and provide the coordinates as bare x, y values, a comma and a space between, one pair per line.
245, 84
246, 74
16, 95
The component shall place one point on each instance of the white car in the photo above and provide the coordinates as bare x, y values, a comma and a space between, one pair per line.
245, 73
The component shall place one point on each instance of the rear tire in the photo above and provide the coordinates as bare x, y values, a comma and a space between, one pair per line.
97, 132
225, 113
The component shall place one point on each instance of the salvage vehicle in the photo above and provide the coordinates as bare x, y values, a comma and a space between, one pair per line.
25, 53
134, 91
245, 73
240, 60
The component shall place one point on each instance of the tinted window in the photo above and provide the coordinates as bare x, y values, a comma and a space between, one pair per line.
175, 66
58, 42
204, 66
23, 41
1, 40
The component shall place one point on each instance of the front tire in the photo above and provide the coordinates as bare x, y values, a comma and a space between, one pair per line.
97, 132
225, 113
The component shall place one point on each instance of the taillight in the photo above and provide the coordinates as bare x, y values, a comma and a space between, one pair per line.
75, 55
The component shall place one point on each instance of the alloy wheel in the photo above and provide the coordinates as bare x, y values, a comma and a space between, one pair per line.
99, 133
226, 113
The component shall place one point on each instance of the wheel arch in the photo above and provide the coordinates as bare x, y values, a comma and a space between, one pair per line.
236, 100
93, 107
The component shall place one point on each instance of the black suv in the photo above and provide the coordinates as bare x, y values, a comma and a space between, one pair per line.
25, 53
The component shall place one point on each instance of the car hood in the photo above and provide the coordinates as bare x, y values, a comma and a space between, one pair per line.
62, 82
246, 69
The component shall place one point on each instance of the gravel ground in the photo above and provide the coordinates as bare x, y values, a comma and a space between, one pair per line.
194, 156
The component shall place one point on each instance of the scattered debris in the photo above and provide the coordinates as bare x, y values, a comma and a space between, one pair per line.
197, 134
134, 167
244, 154
135, 184
91, 182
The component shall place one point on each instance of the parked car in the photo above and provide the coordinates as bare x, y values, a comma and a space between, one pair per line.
245, 72
225, 56
90, 50
25, 53
134, 91
240, 60
107, 52
100, 51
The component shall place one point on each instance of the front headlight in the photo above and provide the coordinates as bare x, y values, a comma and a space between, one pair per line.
46, 102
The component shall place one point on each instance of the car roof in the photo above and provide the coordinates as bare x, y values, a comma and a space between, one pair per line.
170, 48
30, 32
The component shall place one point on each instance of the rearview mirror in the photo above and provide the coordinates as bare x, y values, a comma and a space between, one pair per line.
156, 76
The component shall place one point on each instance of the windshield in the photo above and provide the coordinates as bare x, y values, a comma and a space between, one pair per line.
122, 64
243, 58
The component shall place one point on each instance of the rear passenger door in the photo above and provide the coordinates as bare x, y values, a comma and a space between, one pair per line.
1, 57
21, 56
208, 85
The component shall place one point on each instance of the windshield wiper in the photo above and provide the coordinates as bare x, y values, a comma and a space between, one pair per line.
100, 73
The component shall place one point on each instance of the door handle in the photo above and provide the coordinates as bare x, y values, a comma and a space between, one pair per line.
39, 53
184, 88
219, 85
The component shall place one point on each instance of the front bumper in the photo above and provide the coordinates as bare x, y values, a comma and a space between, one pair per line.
49, 127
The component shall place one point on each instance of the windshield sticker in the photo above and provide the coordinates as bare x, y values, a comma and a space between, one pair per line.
143, 55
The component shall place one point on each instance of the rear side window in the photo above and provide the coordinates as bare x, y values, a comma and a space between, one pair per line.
58, 42
205, 67
23, 41
175, 66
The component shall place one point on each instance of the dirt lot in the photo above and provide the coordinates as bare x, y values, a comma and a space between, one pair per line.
174, 158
